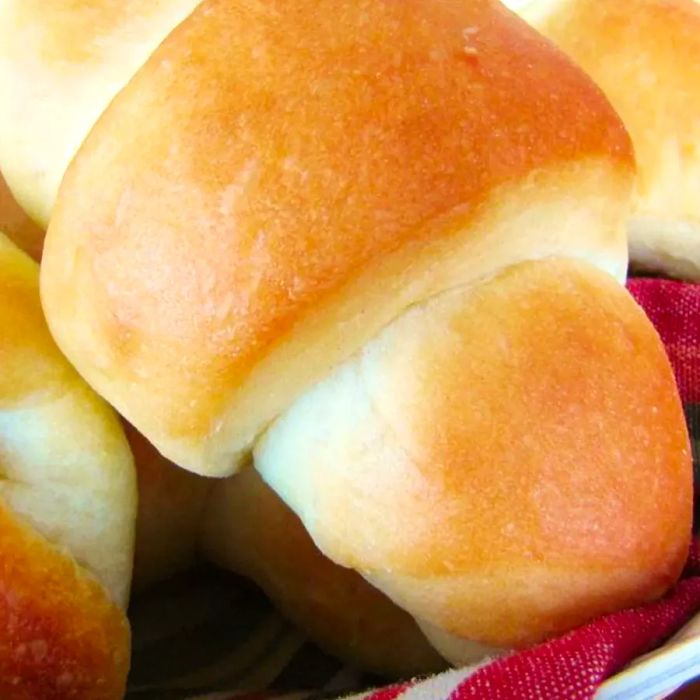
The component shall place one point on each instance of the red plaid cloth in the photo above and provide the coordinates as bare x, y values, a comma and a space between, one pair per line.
575, 666
674, 308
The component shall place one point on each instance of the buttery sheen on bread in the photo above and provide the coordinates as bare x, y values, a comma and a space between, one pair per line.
382, 252
68, 504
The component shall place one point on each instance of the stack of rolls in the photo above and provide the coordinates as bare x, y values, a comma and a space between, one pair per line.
350, 295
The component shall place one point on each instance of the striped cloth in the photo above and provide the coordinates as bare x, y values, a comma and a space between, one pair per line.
210, 635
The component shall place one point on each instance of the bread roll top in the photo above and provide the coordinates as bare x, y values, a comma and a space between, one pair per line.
506, 462
295, 189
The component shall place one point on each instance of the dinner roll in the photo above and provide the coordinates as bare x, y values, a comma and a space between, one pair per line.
67, 511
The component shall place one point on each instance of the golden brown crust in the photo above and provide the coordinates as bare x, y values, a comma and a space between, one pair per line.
294, 191
645, 55
15, 223
248, 529
275, 171
506, 462
60, 635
